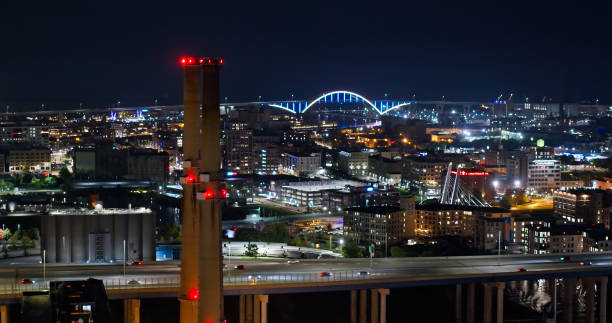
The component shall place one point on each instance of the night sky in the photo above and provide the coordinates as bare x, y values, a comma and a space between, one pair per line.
64, 53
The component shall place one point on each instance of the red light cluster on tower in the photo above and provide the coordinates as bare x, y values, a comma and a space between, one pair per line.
210, 194
188, 60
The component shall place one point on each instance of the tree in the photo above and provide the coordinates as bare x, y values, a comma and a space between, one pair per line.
252, 250
66, 178
397, 251
276, 233
351, 250
25, 244
33, 233
13, 240
168, 232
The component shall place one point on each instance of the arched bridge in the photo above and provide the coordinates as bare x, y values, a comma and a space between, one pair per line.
340, 97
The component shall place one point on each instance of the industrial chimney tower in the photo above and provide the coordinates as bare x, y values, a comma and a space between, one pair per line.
203, 194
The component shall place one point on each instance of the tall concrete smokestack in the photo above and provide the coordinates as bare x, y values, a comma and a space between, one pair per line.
203, 194
209, 253
189, 293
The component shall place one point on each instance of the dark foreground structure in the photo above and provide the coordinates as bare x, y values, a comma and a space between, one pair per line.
67, 301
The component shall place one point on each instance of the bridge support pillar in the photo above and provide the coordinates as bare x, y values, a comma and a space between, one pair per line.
353, 306
589, 299
383, 304
603, 298
4, 314
488, 305
378, 306
374, 315
458, 303
363, 306
500, 301
253, 308
568, 299
131, 310
471, 291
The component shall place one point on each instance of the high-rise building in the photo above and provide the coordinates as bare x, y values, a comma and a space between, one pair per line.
427, 172
568, 239
239, 150
544, 174
300, 164
589, 206
35, 135
437, 220
353, 163
376, 225
517, 165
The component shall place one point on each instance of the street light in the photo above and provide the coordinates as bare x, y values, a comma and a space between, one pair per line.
517, 183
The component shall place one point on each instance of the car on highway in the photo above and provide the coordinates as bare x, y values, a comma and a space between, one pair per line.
27, 281
294, 261
565, 258
363, 273
136, 263
325, 274
585, 263
240, 267
134, 282
521, 269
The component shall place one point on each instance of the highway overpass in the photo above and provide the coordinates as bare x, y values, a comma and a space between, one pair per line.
264, 277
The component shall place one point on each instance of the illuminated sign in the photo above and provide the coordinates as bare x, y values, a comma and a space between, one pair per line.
470, 173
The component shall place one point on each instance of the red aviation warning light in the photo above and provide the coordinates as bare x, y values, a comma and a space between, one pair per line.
193, 295
187, 60
210, 194
190, 179
211, 61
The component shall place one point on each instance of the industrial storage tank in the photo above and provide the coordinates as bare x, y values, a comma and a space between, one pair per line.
98, 235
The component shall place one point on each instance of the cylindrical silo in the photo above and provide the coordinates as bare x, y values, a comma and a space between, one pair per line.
105, 223
134, 243
148, 237
64, 235
80, 239
48, 237
92, 223
120, 229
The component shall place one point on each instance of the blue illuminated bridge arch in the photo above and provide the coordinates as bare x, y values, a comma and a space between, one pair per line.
380, 106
